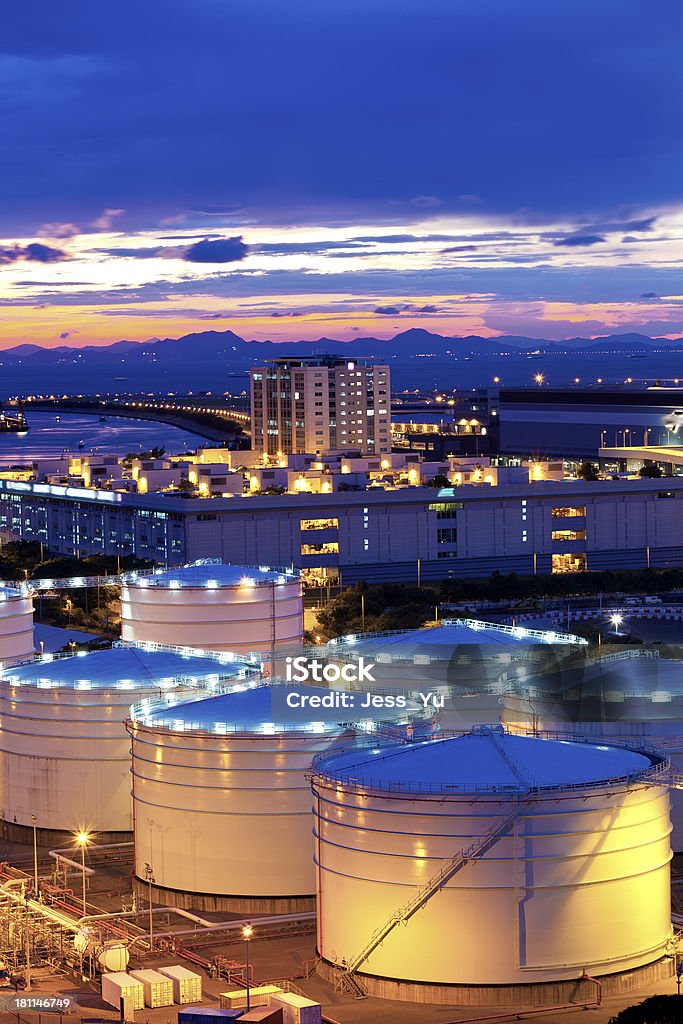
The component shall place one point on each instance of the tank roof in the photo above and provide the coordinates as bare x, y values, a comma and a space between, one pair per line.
256, 708
486, 760
211, 574
125, 668
439, 640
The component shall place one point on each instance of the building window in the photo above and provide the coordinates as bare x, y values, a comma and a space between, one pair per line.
319, 524
569, 563
566, 512
331, 548
568, 535
447, 535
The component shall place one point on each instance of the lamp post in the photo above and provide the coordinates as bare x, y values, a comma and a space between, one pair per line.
83, 840
247, 932
150, 879
34, 822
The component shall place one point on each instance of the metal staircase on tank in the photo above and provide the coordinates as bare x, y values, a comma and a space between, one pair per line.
347, 980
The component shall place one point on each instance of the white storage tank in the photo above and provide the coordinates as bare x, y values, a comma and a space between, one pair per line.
632, 695
64, 750
566, 870
16, 623
221, 800
214, 606
469, 661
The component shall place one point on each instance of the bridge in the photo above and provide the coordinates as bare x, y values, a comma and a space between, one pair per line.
211, 417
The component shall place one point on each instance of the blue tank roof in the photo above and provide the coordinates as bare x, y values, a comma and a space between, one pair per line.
262, 709
123, 668
212, 575
440, 640
484, 760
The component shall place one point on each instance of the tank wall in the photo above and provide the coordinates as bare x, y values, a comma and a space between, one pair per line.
16, 627
665, 733
225, 814
65, 757
235, 619
541, 905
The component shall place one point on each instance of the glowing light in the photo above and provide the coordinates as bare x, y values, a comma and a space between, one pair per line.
539, 378
82, 838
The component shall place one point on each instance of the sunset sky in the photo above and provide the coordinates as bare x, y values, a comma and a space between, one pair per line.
340, 169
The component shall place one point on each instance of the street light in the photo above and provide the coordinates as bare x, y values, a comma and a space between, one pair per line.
247, 932
616, 619
83, 840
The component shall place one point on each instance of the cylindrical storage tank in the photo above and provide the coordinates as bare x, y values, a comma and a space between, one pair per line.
64, 749
222, 804
16, 623
213, 606
470, 662
631, 695
566, 869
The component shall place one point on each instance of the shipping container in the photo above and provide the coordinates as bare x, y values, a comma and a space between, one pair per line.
187, 986
263, 1014
120, 985
207, 1015
258, 996
297, 1009
158, 989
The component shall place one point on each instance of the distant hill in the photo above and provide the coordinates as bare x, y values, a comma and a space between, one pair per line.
239, 354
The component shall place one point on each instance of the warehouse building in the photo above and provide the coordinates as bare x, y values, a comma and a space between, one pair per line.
410, 534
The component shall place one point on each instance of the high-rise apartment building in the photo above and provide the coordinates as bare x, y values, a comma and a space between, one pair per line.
320, 404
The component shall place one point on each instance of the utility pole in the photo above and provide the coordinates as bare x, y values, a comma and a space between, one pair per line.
34, 821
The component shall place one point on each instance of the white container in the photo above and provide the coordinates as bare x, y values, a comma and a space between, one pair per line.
297, 1009
213, 606
16, 623
553, 895
64, 750
260, 995
120, 985
223, 802
187, 986
158, 989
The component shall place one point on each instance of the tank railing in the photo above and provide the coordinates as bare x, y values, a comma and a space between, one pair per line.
222, 657
131, 576
548, 636
150, 705
141, 645
628, 655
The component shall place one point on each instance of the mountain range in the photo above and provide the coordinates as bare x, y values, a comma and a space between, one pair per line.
240, 354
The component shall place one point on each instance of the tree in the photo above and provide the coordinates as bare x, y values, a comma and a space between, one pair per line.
651, 471
440, 480
587, 471
655, 1010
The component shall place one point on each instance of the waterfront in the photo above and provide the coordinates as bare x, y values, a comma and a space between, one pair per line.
52, 434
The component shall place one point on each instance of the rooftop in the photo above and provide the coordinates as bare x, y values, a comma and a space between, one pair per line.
212, 574
486, 760
123, 668
440, 641
260, 709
